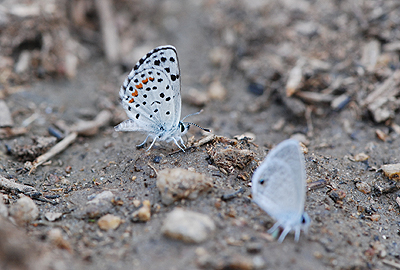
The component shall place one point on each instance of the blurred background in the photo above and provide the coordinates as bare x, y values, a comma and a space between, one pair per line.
325, 72
254, 66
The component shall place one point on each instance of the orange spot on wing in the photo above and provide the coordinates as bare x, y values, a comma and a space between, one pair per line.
132, 100
135, 94
145, 81
139, 86
151, 78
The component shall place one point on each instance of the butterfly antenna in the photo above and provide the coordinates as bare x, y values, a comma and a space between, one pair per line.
192, 115
205, 129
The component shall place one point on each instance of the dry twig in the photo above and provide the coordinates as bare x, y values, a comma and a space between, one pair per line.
108, 30
59, 147
11, 185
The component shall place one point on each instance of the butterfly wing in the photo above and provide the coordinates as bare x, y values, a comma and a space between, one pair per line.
278, 185
150, 94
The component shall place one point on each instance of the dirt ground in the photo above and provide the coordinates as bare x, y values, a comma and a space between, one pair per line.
236, 59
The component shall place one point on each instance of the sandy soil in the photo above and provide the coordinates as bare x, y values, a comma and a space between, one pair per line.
349, 229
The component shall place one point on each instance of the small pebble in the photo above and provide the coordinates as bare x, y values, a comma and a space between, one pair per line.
136, 203
157, 159
360, 157
392, 171
68, 169
375, 217
188, 226
337, 195
144, 212
50, 216
24, 210
105, 195
364, 187
98, 205
381, 135
109, 222
175, 184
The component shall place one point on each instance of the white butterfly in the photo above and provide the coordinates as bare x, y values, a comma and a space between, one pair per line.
151, 97
279, 188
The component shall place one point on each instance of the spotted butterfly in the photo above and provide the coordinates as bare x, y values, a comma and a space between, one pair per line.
151, 97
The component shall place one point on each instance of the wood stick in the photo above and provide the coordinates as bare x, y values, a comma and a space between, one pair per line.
8, 184
108, 30
59, 147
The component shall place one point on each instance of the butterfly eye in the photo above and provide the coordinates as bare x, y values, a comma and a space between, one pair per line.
262, 181
303, 220
182, 127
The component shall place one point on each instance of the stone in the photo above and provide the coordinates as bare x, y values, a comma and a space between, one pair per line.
188, 226
143, 213
98, 205
392, 171
109, 222
24, 210
50, 216
175, 184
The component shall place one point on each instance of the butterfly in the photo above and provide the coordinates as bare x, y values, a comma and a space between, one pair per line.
151, 97
279, 188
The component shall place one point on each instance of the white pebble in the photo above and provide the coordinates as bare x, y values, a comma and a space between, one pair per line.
24, 210
175, 184
188, 226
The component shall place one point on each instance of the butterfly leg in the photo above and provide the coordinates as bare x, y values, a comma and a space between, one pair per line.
283, 234
140, 145
152, 144
176, 142
274, 228
297, 234
182, 142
